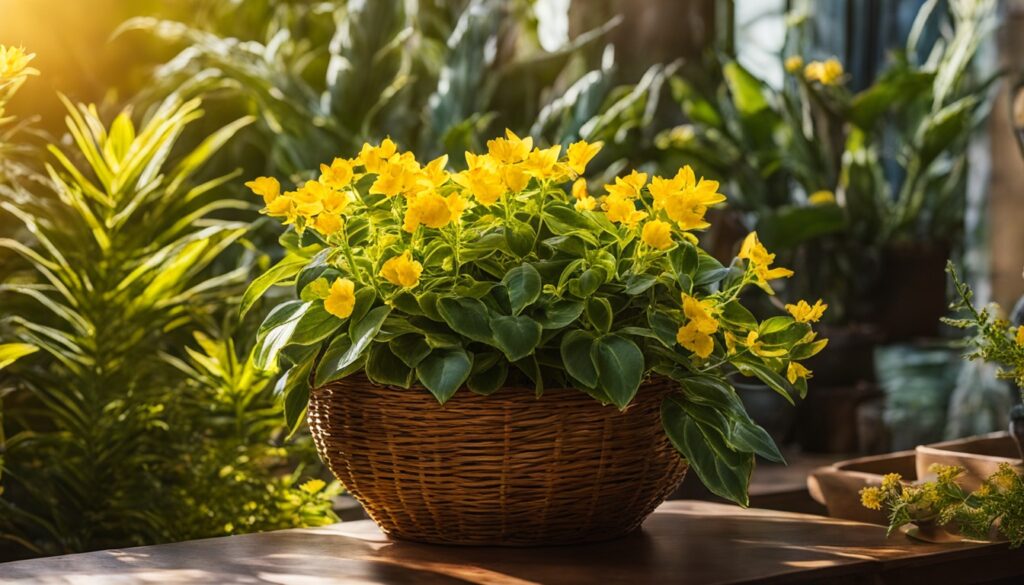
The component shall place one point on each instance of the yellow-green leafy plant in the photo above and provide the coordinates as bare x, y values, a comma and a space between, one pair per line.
129, 250
997, 505
512, 272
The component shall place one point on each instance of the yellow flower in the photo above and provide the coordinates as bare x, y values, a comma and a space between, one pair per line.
543, 163
822, 197
794, 64
627, 187
481, 181
693, 339
684, 198
587, 203
700, 313
829, 72
327, 224
580, 153
429, 209
336, 201
622, 210
309, 199
266, 187
456, 205
657, 234
434, 174
374, 157
760, 262
805, 313
313, 486
14, 62
514, 177
891, 481
398, 175
796, 371
1020, 336
510, 149
341, 299
579, 189
871, 498
338, 175
402, 270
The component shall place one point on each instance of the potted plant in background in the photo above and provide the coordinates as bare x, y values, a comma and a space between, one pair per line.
493, 356
863, 193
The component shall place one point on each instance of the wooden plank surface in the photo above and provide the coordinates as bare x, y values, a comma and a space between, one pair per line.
683, 542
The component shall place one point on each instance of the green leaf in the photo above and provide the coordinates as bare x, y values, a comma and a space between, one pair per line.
734, 313
620, 367
575, 350
276, 331
467, 316
411, 348
599, 313
444, 371
488, 380
384, 367
750, 437
365, 297
516, 337
684, 259
345, 350
520, 237
803, 351
559, 314
723, 471
293, 386
774, 380
314, 326
524, 285
664, 326
639, 283
288, 267
588, 282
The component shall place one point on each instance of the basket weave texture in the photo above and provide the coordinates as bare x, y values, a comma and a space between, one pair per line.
506, 469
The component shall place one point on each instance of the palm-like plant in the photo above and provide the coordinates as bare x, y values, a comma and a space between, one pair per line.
326, 77
117, 274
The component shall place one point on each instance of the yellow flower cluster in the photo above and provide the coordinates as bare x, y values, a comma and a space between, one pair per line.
695, 334
806, 313
828, 72
14, 63
760, 261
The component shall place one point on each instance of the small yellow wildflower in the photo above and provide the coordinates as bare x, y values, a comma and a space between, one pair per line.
805, 313
336, 201
761, 261
456, 205
579, 154
579, 189
514, 177
542, 162
822, 197
338, 175
313, 486
891, 481
796, 371
829, 72
373, 158
429, 209
587, 203
282, 206
871, 498
700, 312
684, 198
327, 224
434, 174
402, 270
794, 64
266, 187
1020, 336
510, 149
692, 338
341, 299
627, 187
657, 234
482, 182
309, 199
623, 210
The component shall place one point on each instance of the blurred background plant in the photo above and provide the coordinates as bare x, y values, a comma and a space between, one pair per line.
110, 439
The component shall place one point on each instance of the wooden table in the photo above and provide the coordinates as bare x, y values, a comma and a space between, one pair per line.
683, 542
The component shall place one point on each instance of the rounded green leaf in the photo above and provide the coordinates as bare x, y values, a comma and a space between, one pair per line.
524, 285
599, 313
620, 367
575, 349
466, 316
444, 371
516, 337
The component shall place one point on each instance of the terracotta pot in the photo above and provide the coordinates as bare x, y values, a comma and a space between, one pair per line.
838, 486
505, 469
979, 456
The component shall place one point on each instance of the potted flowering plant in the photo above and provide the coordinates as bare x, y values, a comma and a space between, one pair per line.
498, 356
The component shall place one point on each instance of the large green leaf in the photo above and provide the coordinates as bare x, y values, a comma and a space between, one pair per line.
516, 337
288, 267
523, 284
345, 350
575, 350
276, 332
444, 371
384, 367
467, 316
294, 387
620, 367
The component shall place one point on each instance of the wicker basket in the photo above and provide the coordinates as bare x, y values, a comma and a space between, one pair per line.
505, 469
